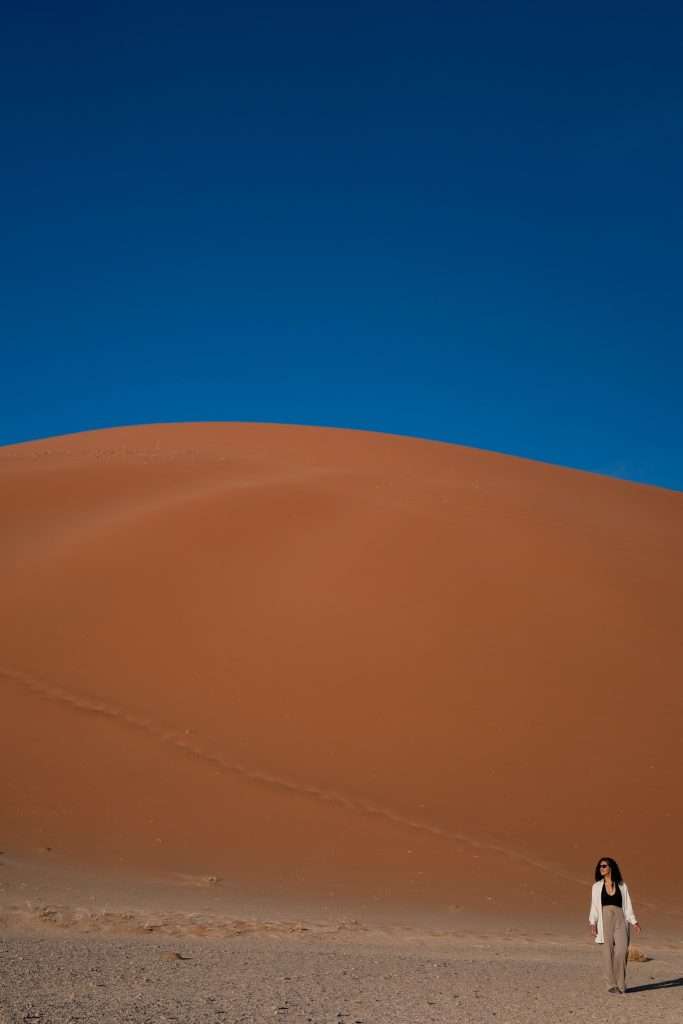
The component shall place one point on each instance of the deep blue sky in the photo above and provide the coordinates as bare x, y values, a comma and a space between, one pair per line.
460, 221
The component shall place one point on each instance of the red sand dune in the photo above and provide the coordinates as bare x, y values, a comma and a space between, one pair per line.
325, 660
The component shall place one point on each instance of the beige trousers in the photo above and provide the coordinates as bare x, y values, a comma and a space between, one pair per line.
615, 947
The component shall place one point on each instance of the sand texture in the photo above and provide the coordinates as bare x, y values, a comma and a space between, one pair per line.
342, 666
263, 979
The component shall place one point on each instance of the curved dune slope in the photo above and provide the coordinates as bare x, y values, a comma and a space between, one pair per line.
340, 661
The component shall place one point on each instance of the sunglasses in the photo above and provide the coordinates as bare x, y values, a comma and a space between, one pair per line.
604, 866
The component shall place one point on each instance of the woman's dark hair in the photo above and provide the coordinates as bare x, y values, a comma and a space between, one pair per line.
616, 873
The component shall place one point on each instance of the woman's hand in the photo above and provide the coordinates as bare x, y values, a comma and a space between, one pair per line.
594, 930
637, 928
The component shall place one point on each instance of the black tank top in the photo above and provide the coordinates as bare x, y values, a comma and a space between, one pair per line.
611, 901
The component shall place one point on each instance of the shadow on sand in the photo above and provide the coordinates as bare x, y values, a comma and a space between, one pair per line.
674, 983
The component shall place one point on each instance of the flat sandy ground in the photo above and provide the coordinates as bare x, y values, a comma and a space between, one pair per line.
345, 978
83, 946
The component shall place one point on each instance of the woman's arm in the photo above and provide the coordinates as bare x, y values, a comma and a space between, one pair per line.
629, 912
594, 914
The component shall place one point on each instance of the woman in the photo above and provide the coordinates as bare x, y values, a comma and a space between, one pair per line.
610, 915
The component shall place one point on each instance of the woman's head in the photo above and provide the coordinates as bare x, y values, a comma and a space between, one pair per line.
605, 867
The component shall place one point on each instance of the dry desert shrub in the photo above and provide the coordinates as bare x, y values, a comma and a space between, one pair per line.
637, 954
